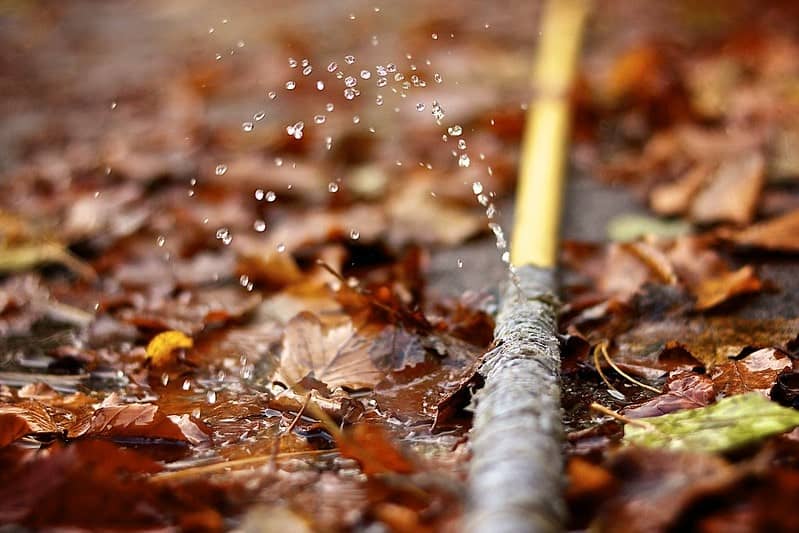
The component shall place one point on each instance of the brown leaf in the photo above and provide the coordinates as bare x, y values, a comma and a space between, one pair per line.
657, 486
372, 447
24, 418
337, 356
675, 198
716, 290
683, 390
140, 421
780, 234
757, 371
733, 191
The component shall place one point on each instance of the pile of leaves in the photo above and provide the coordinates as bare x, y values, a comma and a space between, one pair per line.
215, 308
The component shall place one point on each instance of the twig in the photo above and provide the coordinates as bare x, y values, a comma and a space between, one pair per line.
621, 418
236, 463
603, 348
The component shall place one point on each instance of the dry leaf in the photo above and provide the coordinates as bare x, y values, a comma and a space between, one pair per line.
337, 356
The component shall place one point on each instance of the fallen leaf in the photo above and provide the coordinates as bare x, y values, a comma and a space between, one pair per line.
675, 198
372, 447
733, 191
139, 421
683, 390
655, 487
713, 291
731, 423
24, 418
780, 234
756, 372
337, 356
159, 349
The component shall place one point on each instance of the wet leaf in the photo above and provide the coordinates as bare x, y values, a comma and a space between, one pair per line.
729, 424
139, 421
683, 390
337, 356
24, 418
373, 448
756, 372
159, 349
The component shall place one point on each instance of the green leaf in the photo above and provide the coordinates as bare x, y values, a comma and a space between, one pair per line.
731, 423
629, 227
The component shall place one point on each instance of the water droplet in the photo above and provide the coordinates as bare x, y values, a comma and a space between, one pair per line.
329, 107
379, 99
244, 280
349, 94
381, 70
399, 76
381, 82
240, 44
350, 81
113, 105
464, 161
272, 95
356, 119
339, 75
220, 169
290, 85
218, 57
460, 263
296, 130
355, 234
259, 194
259, 116
186, 384
320, 85
349, 59
271, 196
332, 186
305, 62
247, 126
462, 144
482, 199
224, 235
292, 62
160, 241
477, 187
211, 29
319, 119
164, 379
437, 77
391, 67
210, 397
506, 257
307, 70
420, 106
281, 248
278, 161
437, 111
332, 66
365, 74
455, 130
435, 36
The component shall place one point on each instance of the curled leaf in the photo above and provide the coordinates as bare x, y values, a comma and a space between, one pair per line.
160, 348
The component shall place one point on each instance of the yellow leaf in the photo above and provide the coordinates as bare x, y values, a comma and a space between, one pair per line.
162, 345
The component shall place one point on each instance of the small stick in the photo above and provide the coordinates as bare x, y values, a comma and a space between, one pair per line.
598, 407
236, 463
